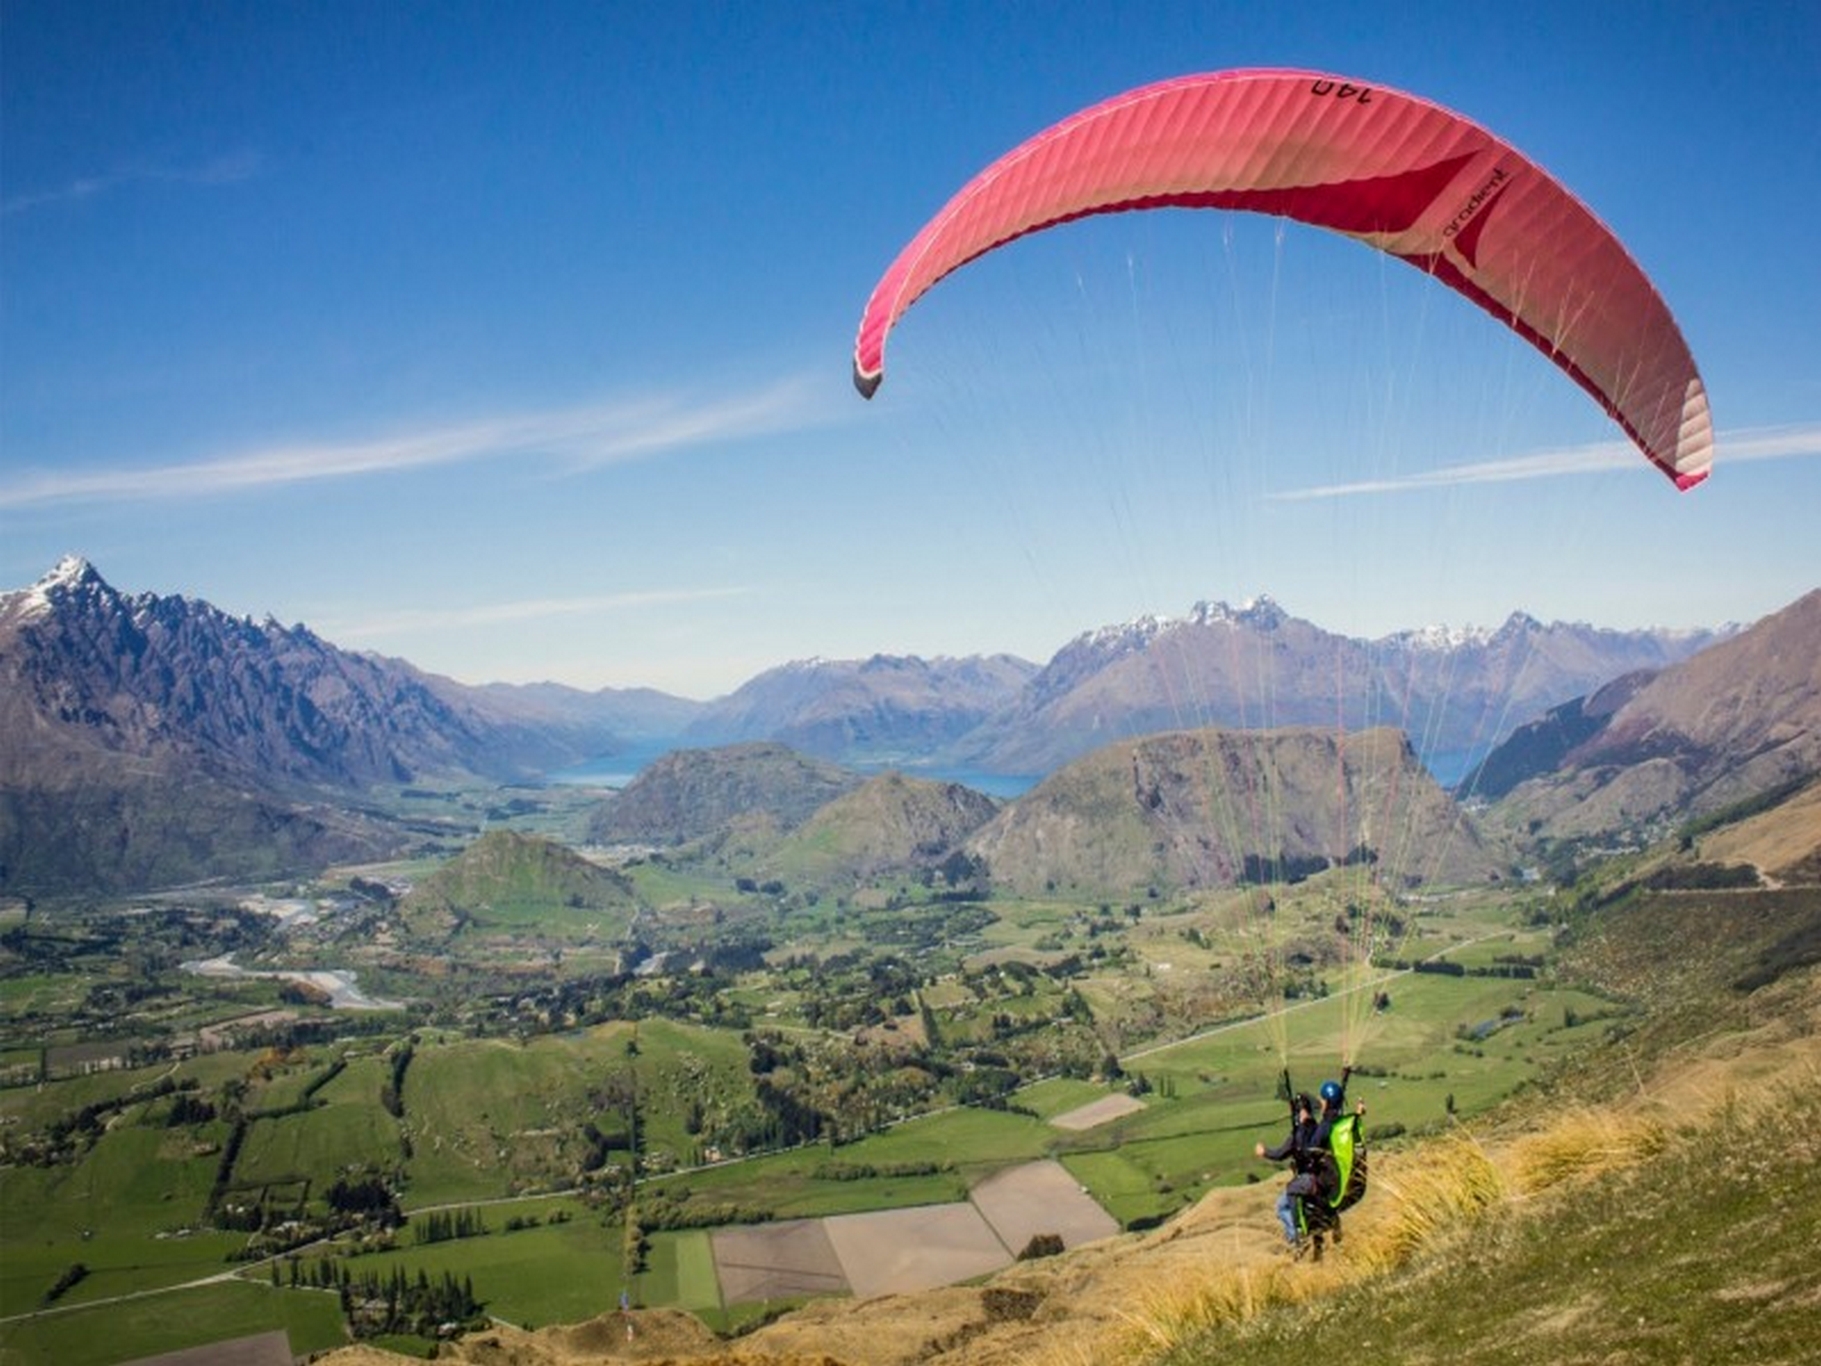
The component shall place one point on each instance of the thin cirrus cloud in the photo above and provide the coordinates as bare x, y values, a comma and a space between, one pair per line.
581, 438
227, 169
1759, 443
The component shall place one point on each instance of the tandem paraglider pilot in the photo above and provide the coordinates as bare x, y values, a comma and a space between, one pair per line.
1327, 1153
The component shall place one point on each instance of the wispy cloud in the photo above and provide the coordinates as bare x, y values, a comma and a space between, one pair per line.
405, 622
580, 438
1758, 443
222, 170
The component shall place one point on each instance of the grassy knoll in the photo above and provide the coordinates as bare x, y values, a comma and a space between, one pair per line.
170, 1322
493, 1117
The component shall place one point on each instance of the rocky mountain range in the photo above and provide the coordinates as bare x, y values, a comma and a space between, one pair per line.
1734, 723
889, 708
147, 739
1456, 693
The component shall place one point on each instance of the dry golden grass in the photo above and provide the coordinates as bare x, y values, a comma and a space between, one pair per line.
1581, 1143
1428, 1194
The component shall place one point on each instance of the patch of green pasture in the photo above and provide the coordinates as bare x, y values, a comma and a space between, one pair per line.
662, 883
679, 1271
132, 1180
209, 1070
43, 994
287, 1085
155, 1324
1059, 1095
949, 992
1125, 1188
530, 911
35, 1106
697, 1285
788, 1185
977, 1141
490, 1117
1311, 1037
1020, 924
468, 1105
963, 1145
818, 1198
1209, 1116
349, 1130
560, 1272
107, 1212
1503, 945
118, 1263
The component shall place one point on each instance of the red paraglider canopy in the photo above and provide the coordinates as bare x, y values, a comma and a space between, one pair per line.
1401, 174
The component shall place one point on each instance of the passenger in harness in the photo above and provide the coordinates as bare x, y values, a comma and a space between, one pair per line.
1299, 1148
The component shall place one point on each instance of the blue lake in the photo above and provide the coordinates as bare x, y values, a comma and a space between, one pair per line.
616, 770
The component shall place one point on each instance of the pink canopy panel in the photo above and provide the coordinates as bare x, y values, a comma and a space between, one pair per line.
1391, 170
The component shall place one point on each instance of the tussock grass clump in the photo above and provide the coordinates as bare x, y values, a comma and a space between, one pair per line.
1181, 1310
1582, 1143
1454, 1182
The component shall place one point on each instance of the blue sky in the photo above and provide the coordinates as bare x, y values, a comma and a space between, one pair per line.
514, 340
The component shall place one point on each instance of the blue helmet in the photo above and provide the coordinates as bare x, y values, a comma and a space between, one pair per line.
1332, 1093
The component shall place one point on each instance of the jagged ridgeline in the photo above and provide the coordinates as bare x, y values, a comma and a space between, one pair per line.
1212, 808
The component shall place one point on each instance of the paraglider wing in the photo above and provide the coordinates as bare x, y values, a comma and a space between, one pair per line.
1391, 170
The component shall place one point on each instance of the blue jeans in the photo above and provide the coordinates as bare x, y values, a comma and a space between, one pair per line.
1286, 1214
1300, 1185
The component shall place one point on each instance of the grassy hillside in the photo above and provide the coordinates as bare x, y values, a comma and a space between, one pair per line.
513, 881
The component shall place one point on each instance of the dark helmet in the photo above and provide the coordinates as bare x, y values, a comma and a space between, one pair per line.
1332, 1093
1304, 1102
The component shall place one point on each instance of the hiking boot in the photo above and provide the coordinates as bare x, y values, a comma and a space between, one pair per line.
1315, 1248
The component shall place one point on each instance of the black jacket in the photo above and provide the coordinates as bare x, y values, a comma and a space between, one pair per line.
1299, 1146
